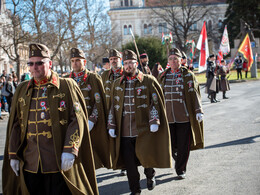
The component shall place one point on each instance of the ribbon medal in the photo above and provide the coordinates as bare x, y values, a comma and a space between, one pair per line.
62, 106
97, 97
43, 105
44, 91
42, 115
139, 91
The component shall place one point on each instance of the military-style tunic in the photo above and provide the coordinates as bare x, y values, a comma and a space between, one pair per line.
108, 78
46, 120
128, 120
174, 94
185, 89
136, 104
93, 91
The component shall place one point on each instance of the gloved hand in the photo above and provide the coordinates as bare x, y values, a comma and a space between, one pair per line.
112, 133
15, 166
199, 117
67, 160
154, 128
90, 125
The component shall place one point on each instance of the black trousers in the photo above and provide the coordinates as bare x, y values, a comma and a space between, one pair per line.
239, 72
131, 162
180, 139
46, 184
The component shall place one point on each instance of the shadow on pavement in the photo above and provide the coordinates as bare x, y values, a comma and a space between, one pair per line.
114, 188
248, 140
100, 179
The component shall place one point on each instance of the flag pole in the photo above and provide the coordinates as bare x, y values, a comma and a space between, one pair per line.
137, 51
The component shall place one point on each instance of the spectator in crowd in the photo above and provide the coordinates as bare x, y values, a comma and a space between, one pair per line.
245, 67
239, 66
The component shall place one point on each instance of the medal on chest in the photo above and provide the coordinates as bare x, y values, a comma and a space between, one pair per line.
43, 106
62, 106
44, 91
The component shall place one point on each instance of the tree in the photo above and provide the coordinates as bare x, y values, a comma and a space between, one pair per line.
153, 47
249, 11
182, 17
16, 36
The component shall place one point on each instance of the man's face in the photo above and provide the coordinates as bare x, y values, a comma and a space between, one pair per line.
77, 64
115, 62
174, 62
40, 67
130, 67
144, 61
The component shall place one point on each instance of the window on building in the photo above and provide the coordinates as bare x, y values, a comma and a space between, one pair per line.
145, 29
122, 3
160, 27
150, 29
165, 27
125, 30
131, 2
126, 3
220, 23
195, 27
129, 27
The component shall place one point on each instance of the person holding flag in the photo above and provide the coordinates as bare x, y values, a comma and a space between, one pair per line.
246, 50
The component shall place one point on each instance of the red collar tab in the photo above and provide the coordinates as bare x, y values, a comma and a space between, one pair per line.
41, 82
176, 71
131, 78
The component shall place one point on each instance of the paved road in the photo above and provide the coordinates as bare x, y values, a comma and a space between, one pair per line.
230, 162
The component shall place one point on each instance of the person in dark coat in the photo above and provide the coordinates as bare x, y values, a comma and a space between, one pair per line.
211, 84
223, 82
239, 66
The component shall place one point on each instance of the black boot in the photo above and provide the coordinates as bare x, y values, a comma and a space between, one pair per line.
215, 98
212, 100
224, 95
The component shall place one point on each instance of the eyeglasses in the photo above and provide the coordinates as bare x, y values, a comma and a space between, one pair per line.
39, 63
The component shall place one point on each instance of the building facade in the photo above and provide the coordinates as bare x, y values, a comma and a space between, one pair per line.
141, 16
5, 62
6, 39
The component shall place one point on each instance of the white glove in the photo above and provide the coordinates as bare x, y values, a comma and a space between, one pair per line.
90, 125
112, 133
154, 128
67, 160
15, 165
199, 117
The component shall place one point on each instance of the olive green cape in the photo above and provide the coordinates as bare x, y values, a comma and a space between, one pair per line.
81, 177
152, 149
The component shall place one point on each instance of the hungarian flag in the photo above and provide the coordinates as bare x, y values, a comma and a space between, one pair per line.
220, 56
170, 37
246, 50
191, 44
202, 45
163, 39
224, 45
